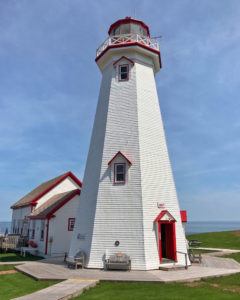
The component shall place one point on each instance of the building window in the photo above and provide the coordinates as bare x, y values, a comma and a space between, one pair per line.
123, 71
42, 230
33, 229
71, 223
119, 173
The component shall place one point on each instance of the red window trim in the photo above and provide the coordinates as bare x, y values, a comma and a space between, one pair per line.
69, 224
119, 182
119, 73
123, 57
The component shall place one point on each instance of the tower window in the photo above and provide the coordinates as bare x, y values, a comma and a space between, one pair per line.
119, 173
123, 72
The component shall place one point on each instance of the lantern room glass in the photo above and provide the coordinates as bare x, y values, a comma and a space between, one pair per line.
129, 28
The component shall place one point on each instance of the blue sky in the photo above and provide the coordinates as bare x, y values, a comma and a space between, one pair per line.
49, 88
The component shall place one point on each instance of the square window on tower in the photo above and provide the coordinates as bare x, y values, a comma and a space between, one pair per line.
123, 72
119, 173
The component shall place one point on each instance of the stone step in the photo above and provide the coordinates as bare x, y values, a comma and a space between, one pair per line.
173, 267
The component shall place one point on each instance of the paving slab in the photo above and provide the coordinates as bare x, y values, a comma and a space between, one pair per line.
43, 271
218, 249
12, 262
64, 290
219, 262
193, 273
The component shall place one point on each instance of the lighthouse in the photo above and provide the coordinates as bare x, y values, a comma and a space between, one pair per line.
128, 202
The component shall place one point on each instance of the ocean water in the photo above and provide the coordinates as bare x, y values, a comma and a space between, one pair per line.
4, 226
214, 226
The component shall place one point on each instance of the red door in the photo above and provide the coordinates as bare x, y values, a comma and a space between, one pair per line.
166, 240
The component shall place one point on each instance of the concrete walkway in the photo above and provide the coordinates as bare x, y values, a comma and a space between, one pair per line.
76, 281
64, 290
43, 270
218, 249
2, 263
219, 262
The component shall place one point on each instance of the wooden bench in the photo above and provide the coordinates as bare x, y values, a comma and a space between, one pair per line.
24, 250
78, 260
195, 257
118, 261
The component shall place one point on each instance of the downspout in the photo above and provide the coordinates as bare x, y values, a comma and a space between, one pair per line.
46, 243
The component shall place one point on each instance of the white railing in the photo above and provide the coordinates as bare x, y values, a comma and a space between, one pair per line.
128, 39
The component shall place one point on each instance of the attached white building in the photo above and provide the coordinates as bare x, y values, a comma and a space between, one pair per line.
52, 223
46, 215
129, 202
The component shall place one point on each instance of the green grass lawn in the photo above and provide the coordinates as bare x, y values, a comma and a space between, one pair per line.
16, 285
225, 239
221, 288
224, 288
6, 267
14, 256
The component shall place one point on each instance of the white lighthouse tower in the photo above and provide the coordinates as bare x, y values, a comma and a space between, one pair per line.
128, 201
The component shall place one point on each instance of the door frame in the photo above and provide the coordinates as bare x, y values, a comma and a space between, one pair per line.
173, 239
164, 217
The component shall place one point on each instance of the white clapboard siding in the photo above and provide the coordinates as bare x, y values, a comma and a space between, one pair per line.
127, 119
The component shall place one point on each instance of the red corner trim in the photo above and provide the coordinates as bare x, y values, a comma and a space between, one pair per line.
123, 57
68, 174
128, 20
183, 215
119, 153
162, 213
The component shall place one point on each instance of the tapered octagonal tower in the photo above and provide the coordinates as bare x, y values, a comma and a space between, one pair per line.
128, 201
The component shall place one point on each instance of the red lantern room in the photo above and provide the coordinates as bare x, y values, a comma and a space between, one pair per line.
130, 33
129, 26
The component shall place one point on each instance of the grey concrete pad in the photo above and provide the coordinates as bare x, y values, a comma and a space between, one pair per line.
42, 271
12, 262
63, 290
219, 249
218, 262
193, 273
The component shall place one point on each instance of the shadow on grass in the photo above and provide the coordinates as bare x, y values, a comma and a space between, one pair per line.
14, 256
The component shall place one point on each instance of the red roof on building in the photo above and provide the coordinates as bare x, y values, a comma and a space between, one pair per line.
48, 208
123, 57
162, 214
128, 20
183, 216
119, 153
32, 197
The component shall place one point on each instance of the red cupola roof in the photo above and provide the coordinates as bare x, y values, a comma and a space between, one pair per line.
129, 20
133, 35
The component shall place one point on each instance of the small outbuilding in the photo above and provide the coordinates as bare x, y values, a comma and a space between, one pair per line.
52, 223
46, 215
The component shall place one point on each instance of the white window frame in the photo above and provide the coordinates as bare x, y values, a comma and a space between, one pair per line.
120, 73
124, 173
